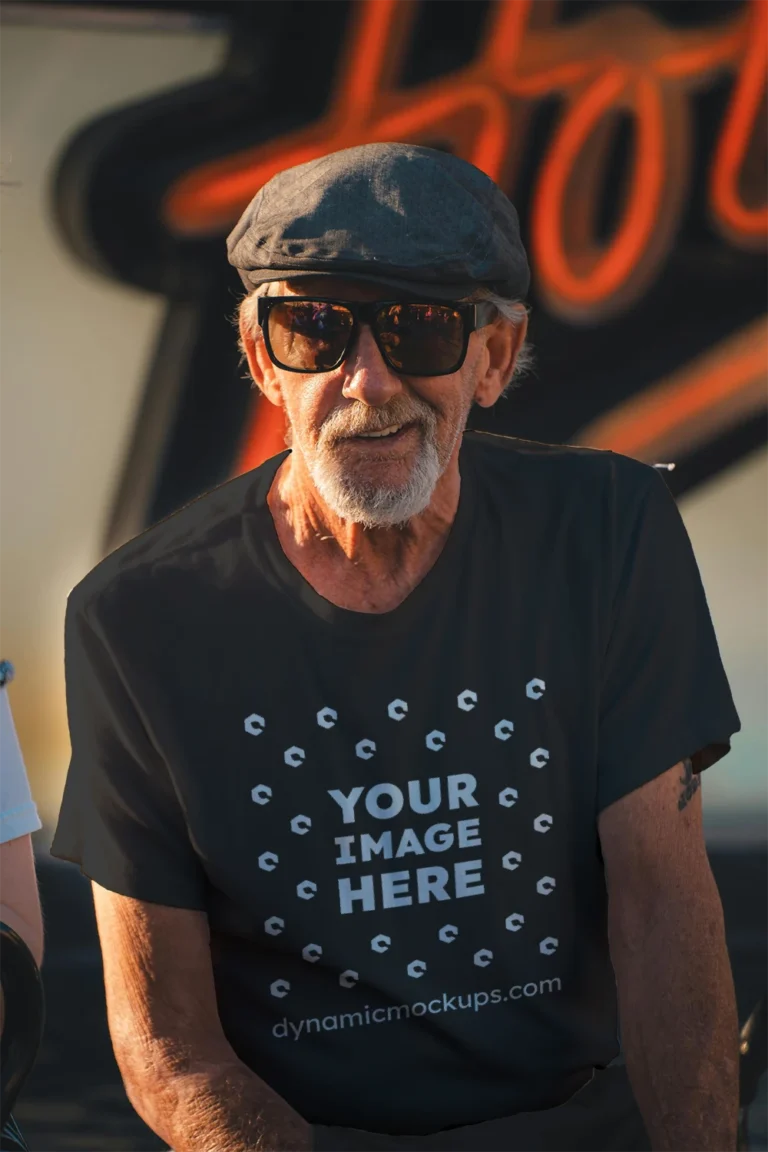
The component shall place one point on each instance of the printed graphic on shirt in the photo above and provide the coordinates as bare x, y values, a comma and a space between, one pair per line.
432, 840
476, 1001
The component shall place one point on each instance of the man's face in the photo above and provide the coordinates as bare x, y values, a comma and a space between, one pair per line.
383, 481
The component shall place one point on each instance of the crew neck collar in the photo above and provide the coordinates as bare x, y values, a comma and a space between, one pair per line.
263, 543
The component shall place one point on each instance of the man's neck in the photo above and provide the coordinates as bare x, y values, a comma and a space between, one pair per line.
374, 568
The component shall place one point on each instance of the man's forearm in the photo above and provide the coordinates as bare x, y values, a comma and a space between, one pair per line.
680, 1028
223, 1107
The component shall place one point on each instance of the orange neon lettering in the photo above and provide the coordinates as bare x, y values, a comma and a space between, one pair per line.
622, 255
739, 220
720, 388
379, 38
619, 59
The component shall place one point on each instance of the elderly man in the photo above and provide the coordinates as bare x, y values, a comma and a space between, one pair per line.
386, 755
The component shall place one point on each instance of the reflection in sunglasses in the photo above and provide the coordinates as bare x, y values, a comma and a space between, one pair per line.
415, 338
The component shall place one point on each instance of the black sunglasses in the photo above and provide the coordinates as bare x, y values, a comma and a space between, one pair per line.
310, 334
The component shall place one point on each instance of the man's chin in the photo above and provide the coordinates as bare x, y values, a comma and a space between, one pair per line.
358, 496
390, 510
371, 464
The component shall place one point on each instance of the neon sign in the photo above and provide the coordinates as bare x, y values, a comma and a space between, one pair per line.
698, 386
620, 59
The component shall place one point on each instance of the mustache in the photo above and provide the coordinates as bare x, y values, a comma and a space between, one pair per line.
354, 421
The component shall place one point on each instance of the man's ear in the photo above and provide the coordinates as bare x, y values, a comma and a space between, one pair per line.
259, 364
502, 348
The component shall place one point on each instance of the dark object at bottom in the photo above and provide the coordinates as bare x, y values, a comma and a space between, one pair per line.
754, 1053
22, 1027
601, 1117
11, 1139
752, 1065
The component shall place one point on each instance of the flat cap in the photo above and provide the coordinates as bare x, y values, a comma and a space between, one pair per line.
413, 218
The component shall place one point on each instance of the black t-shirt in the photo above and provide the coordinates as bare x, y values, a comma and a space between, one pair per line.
390, 819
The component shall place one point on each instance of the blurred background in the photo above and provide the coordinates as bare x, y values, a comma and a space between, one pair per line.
631, 137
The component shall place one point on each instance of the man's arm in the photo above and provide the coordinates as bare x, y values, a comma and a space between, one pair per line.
20, 898
676, 997
180, 1073
19, 894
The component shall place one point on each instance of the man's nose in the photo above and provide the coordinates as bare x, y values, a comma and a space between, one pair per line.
368, 379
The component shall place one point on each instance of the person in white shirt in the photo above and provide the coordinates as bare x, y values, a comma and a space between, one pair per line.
19, 818
20, 908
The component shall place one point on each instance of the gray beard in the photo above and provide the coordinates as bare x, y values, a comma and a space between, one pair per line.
375, 506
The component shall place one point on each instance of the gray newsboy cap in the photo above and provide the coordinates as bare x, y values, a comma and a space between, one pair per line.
412, 218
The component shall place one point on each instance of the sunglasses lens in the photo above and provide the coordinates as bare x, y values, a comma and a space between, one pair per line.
309, 336
421, 339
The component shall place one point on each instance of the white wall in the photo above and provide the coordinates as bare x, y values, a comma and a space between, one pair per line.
73, 354
727, 520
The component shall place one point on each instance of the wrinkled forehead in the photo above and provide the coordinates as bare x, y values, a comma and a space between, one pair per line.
337, 288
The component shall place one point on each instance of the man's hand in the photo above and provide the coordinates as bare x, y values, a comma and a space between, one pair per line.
180, 1072
676, 998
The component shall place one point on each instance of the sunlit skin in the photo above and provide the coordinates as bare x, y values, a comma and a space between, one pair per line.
371, 569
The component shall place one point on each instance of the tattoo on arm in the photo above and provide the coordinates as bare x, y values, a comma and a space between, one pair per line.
690, 783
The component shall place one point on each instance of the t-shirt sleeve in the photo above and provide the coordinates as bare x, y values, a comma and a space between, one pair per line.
664, 695
18, 811
120, 819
